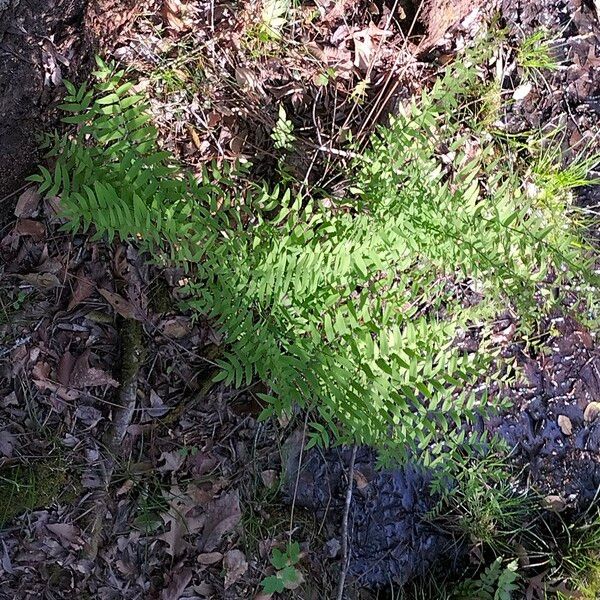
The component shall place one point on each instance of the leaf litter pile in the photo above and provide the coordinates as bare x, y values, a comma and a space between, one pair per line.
124, 472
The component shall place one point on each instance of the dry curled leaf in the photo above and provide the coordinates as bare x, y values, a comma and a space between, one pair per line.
592, 410
565, 424
173, 11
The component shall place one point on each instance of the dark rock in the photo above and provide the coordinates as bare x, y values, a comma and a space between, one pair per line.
390, 540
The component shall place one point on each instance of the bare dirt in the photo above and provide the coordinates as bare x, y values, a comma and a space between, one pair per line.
40, 43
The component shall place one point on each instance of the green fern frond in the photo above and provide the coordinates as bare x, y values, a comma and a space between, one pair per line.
351, 311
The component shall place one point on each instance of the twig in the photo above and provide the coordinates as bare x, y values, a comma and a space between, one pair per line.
16, 344
345, 553
297, 477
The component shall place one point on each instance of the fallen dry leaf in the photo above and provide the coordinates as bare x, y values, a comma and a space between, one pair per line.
28, 203
592, 410
173, 11
84, 287
209, 558
235, 566
42, 281
179, 582
120, 305
223, 514
565, 424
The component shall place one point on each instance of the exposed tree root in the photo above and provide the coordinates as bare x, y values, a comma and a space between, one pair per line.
132, 358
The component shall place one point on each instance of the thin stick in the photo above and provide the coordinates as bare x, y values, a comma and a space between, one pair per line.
345, 553
297, 478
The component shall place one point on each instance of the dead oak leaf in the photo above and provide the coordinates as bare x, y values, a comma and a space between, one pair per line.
222, 515
236, 565
28, 203
121, 306
84, 287
178, 584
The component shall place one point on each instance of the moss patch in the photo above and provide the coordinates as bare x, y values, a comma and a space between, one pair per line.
34, 487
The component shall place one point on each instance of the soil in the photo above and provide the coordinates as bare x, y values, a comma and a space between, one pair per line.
40, 43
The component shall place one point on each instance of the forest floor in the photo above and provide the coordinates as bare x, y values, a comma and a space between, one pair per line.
124, 471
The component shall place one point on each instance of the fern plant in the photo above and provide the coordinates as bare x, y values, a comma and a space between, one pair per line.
496, 582
348, 308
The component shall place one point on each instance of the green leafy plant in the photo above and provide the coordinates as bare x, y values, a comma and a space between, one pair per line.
287, 575
496, 582
349, 308
283, 132
273, 17
536, 52
485, 508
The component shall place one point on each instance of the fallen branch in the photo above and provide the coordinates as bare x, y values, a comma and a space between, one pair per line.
345, 553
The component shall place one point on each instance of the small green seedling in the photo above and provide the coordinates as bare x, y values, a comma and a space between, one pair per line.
287, 577
282, 134
537, 52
